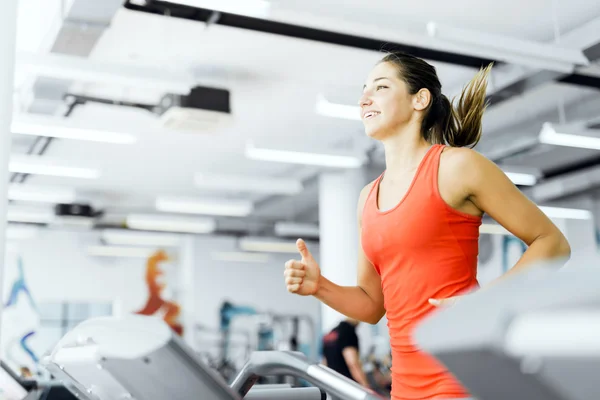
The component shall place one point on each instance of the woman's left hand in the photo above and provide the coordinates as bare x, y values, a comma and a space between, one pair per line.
448, 302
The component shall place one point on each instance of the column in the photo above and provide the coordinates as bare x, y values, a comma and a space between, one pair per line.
8, 37
338, 199
186, 267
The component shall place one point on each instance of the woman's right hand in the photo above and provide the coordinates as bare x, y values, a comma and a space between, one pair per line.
302, 277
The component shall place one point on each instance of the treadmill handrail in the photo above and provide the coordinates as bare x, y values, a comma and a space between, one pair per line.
264, 363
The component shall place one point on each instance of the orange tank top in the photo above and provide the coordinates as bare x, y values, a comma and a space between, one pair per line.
422, 248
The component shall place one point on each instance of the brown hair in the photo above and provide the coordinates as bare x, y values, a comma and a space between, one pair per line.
443, 123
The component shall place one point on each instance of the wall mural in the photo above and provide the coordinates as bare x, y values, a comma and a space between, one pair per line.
20, 322
156, 304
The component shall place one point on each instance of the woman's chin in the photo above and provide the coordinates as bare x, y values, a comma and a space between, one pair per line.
373, 133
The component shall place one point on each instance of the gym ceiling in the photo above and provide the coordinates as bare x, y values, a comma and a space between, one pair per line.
105, 66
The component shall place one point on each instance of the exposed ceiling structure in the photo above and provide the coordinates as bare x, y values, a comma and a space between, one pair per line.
98, 83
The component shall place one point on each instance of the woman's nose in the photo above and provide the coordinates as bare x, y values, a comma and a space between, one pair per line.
364, 100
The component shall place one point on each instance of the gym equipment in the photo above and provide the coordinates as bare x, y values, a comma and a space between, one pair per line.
273, 332
14, 387
534, 335
140, 357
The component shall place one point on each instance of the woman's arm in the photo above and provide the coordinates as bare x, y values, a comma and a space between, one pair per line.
491, 191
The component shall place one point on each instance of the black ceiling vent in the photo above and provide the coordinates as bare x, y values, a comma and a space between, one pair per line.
203, 109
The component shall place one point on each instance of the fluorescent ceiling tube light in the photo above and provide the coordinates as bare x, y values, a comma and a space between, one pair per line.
239, 256
83, 69
29, 215
65, 129
170, 223
42, 194
503, 48
124, 237
267, 246
566, 213
251, 8
297, 157
117, 251
240, 183
549, 135
232, 208
37, 165
296, 229
327, 109
493, 229
21, 232
521, 179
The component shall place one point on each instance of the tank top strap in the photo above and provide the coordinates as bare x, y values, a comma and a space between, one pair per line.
430, 167
371, 201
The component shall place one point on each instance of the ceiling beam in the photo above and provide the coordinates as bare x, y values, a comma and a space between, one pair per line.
585, 37
303, 32
361, 42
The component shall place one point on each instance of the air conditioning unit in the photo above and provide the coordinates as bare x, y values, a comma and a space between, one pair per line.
81, 216
203, 109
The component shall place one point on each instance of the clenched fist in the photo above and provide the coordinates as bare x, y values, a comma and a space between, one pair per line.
302, 277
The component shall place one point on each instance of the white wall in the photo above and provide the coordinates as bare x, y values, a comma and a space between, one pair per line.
257, 285
57, 269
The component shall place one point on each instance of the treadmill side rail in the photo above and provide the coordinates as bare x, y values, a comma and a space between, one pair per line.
264, 363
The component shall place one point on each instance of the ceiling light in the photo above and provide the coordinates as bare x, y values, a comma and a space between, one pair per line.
84, 69
21, 232
42, 166
65, 129
118, 251
267, 245
251, 8
42, 194
521, 179
240, 183
170, 223
296, 157
29, 215
566, 213
234, 208
297, 229
549, 135
327, 109
503, 48
238, 256
124, 237
493, 229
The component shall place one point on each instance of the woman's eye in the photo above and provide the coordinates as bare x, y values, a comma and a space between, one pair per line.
381, 87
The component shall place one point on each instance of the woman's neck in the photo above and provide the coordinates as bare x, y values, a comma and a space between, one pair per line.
404, 152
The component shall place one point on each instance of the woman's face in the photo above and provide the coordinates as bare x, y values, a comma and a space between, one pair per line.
386, 105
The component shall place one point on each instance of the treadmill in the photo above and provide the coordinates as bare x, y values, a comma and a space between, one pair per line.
533, 336
139, 357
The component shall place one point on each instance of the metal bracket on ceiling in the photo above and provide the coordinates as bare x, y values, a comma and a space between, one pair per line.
213, 19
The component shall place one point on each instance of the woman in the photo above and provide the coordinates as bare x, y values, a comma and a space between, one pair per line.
419, 221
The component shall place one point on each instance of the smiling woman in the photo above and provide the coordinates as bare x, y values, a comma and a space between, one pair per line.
442, 123
419, 221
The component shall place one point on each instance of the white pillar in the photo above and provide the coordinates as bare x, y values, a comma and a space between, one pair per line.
338, 200
186, 282
8, 38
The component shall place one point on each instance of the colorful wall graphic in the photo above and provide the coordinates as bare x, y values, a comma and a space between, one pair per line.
156, 304
20, 322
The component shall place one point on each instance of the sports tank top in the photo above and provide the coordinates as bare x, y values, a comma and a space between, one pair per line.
422, 248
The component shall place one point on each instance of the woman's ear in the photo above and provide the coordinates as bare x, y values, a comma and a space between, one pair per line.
421, 99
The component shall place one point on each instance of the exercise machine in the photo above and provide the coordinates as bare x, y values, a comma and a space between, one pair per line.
139, 357
534, 335
15, 387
